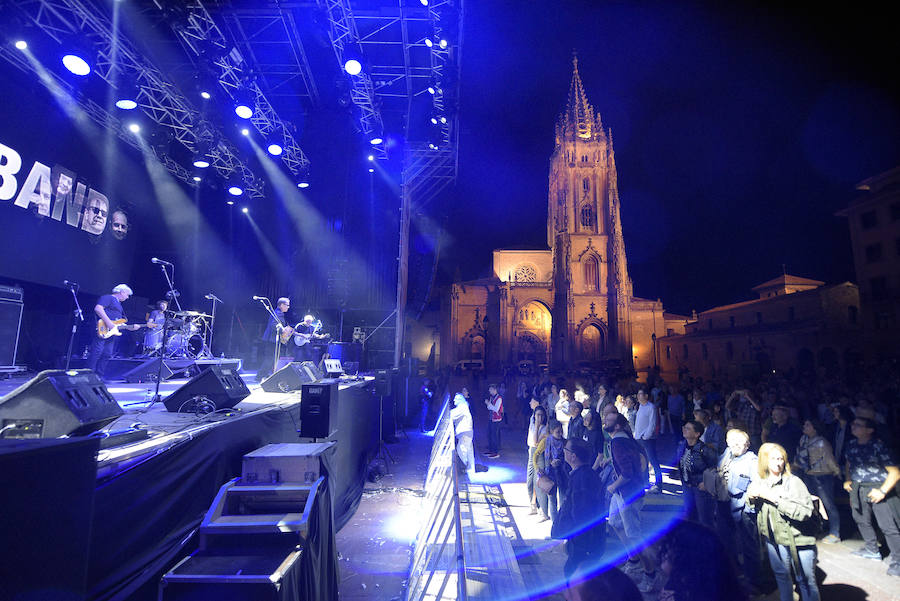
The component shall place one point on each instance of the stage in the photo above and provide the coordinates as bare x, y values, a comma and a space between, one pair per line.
135, 516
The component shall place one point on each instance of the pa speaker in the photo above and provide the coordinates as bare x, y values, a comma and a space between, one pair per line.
150, 369
312, 369
57, 403
318, 409
214, 388
290, 377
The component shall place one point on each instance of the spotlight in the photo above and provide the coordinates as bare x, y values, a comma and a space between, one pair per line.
371, 157
243, 105
198, 179
303, 184
432, 90
424, 2
229, 202
235, 190
353, 67
126, 94
428, 42
275, 149
243, 111
443, 119
434, 120
443, 44
245, 131
201, 154
76, 64
205, 95
21, 44
376, 141
201, 162
134, 128
371, 170
245, 210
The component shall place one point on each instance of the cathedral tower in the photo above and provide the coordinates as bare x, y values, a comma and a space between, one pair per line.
592, 290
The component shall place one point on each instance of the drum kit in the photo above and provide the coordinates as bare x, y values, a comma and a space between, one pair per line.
187, 337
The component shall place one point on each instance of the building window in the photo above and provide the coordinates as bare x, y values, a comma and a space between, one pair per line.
584, 158
868, 220
731, 321
684, 351
670, 332
791, 314
729, 350
587, 217
668, 352
704, 351
758, 317
585, 184
873, 253
591, 274
525, 273
878, 287
852, 314
895, 211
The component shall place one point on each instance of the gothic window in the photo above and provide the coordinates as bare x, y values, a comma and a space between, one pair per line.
585, 184
591, 274
587, 217
525, 273
561, 197
584, 158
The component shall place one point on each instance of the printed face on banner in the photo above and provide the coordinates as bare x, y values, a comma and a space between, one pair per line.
119, 225
95, 214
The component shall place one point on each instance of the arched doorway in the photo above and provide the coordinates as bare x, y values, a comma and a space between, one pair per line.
532, 330
591, 343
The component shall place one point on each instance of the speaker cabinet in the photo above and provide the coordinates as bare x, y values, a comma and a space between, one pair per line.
318, 409
290, 377
214, 388
149, 370
57, 403
383, 378
10, 323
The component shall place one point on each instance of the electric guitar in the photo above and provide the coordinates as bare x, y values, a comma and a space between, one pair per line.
304, 339
104, 332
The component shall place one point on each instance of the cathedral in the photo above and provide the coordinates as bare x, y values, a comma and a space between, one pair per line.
572, 305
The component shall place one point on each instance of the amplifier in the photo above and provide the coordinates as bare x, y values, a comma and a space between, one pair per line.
12, 293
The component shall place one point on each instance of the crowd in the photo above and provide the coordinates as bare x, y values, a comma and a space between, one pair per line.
760, 468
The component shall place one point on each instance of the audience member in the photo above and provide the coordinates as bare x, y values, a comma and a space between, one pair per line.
739, 468
713, 435
646, 425
782, 430
815, 464
578, 521
462, 424
694, 458
494, 406
537, 429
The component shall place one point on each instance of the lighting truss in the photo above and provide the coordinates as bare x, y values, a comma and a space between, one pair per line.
200, 34
157, 96
343, 32
96, 113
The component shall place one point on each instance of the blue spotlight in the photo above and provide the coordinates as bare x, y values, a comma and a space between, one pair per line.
229, 202
134, 128
371, 170
21, 44
198, 179
76, 64
201, 163
243, 111
428, 42
243, 104
376, 141
205, 95
275, 149
245, 131
126, 104
235, 190
371, 157
245, 210
443, 44
303, 184
353, 67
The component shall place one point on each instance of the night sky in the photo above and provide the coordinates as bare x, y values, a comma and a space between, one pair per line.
739, 130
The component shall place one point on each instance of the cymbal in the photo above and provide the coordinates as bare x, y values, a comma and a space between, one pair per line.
187, 313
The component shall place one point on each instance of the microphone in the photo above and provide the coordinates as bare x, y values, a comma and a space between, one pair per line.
70, 284
160, 262
259, 298
209, 297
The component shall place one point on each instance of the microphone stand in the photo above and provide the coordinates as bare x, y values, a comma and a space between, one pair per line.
162, 351
77, 315
212, 322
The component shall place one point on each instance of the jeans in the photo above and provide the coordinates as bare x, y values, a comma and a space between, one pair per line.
780, 560
548, 502
530, 476
649, 446
886, 514
746, 547
466, 451
699, 506
100, 353
823, 487
494, 437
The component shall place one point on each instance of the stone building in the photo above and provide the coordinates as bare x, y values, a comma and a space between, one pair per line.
570, 304
795, 323
874, 221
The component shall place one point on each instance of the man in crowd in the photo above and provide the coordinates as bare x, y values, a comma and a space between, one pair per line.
747, 411
578, 521
494, 405
783, 430
713, 436
645, 429
872, 475
462, 425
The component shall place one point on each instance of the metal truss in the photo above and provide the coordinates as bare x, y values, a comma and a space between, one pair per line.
157, 96
200, 34
94, 111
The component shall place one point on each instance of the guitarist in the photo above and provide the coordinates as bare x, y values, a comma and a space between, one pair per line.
108, 309
306, 331
272, 337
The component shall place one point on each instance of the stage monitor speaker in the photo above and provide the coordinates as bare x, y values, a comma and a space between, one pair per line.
149, 369
214, 388
290, 377
58, 403
383, 379
318, 409
312, 369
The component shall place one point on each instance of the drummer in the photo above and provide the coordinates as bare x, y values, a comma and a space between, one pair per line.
153, 337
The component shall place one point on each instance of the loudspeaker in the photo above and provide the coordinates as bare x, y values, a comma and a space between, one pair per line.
318, 405
58, 403
148, 370
10, 323
313, 370
383, 379
214, 388
290, 377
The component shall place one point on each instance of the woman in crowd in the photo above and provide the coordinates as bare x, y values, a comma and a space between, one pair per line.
562, 410
548, 461
783, 511
738, 468
537, 429
815, 463
593, 436
694, 458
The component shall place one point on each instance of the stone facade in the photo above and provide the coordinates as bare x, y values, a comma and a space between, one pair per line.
571, 304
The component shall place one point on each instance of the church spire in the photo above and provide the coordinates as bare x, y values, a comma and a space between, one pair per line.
580, 112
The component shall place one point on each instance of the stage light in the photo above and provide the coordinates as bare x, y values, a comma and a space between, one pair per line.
434, 120
197, 178
443, 43
243, 111
353, 67
21, 44
376, 141
76, 64
127, 93
201, 153
205, 95
275, 149
371, 157
432, 90
235, 190
371, 170
424, 2
243, 104
428, 42
303, 184
229, 202
443, 119
201, 163
245, 131
245, 210
134, 128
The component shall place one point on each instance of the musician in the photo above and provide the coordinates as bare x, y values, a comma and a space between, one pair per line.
153, 338
306, 330
108, 309
271, 338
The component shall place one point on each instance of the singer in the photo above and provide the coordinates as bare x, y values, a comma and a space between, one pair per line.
108, 309
272, 337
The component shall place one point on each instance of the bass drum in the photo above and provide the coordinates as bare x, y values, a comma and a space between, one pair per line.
195, 346
175, 343
186, 346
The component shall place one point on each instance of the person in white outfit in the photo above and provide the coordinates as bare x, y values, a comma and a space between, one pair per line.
462, 425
